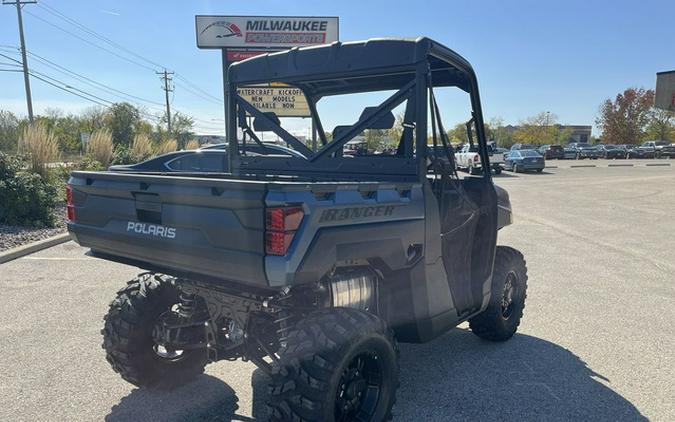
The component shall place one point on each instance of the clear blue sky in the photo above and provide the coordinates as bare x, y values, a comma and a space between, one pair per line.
564, 57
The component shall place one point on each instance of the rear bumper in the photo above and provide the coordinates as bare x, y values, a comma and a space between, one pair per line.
532, 166
181, 260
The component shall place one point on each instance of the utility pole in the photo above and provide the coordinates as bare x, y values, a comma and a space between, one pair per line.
24, 61
166, 78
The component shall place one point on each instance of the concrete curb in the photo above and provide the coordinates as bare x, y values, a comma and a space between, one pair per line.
551, 167
30, 248
657, 164
583, 166
620, 165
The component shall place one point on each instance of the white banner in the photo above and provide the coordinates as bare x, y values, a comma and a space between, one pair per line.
264, 31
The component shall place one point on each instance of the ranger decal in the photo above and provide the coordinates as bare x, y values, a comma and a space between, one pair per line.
351, 213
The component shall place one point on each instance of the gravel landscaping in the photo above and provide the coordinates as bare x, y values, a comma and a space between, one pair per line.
13, 236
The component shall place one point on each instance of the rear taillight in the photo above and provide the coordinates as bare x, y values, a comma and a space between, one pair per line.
69, 203
280, 226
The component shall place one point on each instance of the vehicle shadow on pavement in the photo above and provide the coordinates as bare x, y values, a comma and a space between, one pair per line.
205, 399
459, 377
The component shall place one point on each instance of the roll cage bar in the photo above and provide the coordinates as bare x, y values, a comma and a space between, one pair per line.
410, 67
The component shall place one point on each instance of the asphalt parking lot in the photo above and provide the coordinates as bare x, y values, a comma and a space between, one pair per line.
596, 342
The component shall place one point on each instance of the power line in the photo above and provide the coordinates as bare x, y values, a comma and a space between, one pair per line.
11, 58
197, 94
112, 43
67, 90
184, 79
93, 33
90, 81
90, 42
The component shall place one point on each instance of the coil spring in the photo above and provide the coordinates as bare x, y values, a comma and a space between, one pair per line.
284, 320
186, 305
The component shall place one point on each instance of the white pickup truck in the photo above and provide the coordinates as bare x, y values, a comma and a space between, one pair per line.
468, 159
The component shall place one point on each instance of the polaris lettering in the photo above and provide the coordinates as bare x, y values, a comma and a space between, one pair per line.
151, 229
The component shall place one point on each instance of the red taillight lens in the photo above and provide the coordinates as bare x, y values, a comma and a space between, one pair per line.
69, 203
280, 226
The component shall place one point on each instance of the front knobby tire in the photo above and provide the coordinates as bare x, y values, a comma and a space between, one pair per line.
509, 289
127, 336
336, 365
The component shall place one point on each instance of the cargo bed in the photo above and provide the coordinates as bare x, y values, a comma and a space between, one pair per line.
208, 226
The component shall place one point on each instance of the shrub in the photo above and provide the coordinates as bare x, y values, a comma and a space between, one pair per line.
192, 144
89, 164
40, 146
141, 147
124, 155
167, 146
100, 147
25, 198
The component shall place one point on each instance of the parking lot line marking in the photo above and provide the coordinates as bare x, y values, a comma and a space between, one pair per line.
583, 165
51, 258
620, 165
657, 164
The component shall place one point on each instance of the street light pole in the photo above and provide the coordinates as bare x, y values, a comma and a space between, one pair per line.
24, 61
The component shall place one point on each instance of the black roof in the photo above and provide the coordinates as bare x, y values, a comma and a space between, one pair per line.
375, 64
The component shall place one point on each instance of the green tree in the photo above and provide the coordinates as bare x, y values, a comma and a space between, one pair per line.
376, 138
181, 128
9, 131
540, 129
122, 119
661, 125
457, 135
624, 120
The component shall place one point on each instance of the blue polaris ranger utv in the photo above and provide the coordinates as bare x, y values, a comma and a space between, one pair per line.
310, 265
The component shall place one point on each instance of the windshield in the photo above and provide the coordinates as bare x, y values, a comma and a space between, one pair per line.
529, 153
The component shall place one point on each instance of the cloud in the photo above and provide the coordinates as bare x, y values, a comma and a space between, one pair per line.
110, 12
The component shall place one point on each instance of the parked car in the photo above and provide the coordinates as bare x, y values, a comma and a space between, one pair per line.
212, 158
587, 151
515, 147
552, 152
668, 151
468, 159
641, 152
570, 153
655, 146
524, 160
611, 151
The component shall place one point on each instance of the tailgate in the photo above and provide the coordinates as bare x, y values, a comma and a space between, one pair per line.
212, 227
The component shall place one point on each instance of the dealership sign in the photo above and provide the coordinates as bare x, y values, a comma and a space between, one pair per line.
262, 32
283, 100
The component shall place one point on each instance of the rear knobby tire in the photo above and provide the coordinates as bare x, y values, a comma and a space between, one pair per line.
499, 322
320, 354
128, 342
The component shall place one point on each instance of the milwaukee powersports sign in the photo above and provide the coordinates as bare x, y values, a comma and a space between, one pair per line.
251, 32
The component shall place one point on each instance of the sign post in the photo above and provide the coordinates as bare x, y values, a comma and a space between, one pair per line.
242, 37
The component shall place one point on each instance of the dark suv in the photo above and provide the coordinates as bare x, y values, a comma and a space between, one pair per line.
552, 152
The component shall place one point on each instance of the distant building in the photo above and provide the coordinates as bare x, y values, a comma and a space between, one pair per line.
578, 133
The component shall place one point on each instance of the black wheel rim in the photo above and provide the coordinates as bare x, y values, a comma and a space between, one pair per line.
359, 389
509, 294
